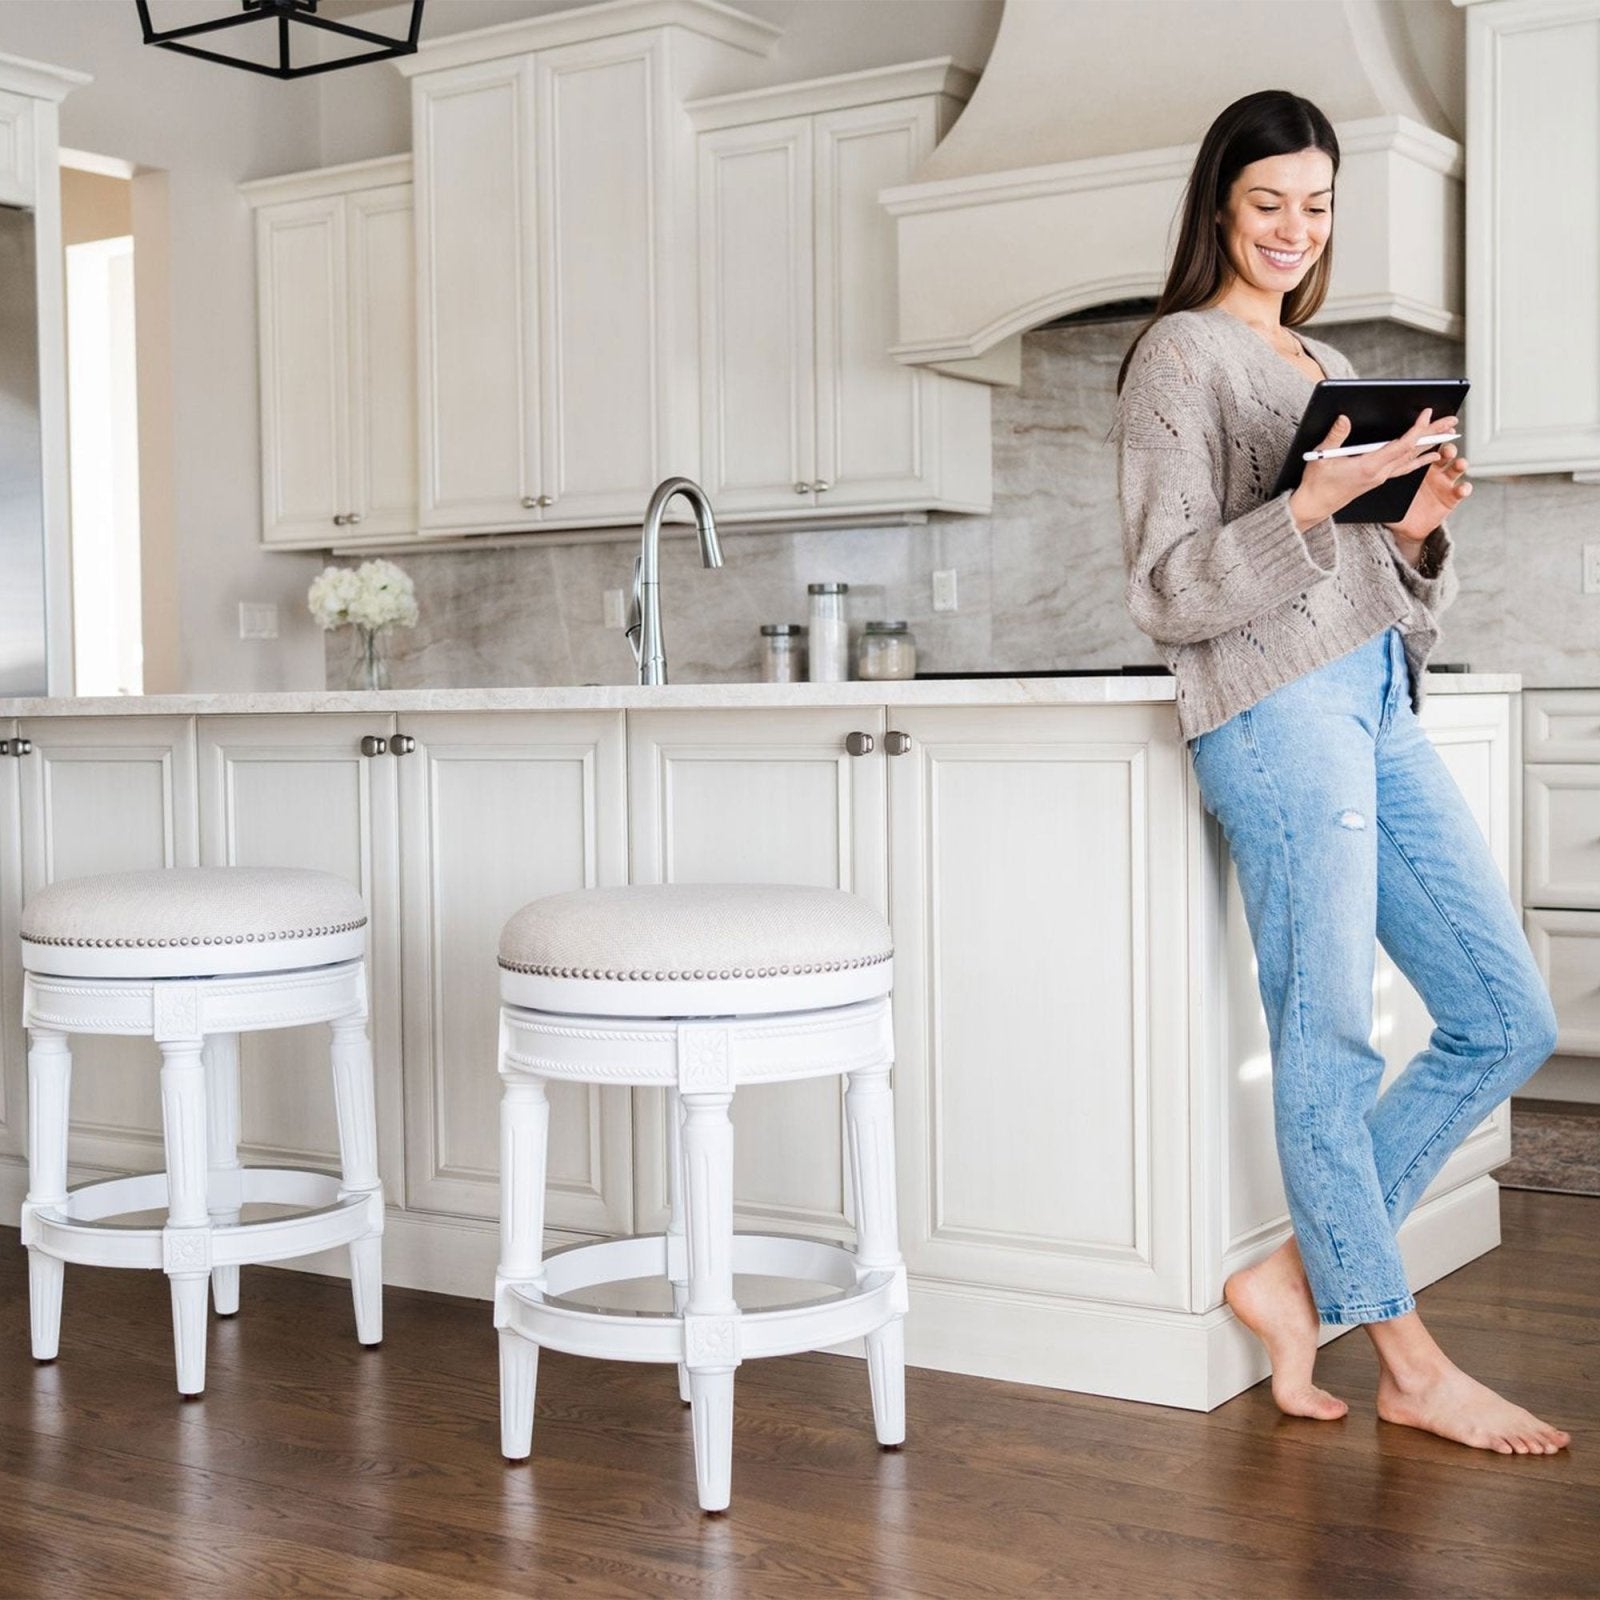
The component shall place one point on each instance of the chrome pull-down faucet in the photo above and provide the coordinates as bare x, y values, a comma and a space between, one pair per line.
644, 626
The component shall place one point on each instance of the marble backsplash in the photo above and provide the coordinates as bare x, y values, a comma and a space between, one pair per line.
1039, 581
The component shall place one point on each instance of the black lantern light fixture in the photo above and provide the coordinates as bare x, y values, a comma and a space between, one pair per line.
291, 16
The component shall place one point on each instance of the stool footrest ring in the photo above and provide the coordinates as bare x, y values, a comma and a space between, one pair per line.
867, 1300
84, 1229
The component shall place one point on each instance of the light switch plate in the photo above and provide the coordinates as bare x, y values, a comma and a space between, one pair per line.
1591, 569
258, 619
944, 589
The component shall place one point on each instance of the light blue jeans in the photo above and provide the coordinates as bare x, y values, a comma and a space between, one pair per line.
1344, 825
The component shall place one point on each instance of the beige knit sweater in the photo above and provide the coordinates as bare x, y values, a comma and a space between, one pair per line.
1240, 601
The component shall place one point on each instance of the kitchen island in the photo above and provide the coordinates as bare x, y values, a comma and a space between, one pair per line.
1083, 1087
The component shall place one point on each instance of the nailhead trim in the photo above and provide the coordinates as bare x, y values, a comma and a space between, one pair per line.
169, 944
636, 974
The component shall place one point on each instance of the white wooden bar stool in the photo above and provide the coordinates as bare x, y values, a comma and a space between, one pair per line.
699, 989
193, 957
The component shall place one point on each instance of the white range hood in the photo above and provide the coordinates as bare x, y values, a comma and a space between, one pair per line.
1059, 188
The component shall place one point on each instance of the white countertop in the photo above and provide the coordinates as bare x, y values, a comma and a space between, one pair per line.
1111, 689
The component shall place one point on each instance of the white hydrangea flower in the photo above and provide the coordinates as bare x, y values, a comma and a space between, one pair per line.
377, 594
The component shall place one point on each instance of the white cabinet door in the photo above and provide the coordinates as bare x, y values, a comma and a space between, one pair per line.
1532, 268
759, 797
13, 1044
17, 181
1037, 864
109, 794
496, 809
600, 164
383, 364
874, 415
477, 349
303, 308
296, 791
757, 338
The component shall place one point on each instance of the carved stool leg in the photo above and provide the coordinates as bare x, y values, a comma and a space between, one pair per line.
49, 1085
224, 1174
524, 1136
869, 1118
677, 1250
186, 1240
711, 1315
358, 1165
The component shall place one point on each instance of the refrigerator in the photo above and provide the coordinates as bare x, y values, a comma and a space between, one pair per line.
22, 596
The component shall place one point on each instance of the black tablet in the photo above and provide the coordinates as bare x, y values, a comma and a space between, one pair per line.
1379, 409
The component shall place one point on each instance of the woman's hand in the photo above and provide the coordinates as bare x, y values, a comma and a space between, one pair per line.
1444, 488
1329, 486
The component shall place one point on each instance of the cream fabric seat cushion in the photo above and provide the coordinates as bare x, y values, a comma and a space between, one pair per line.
677, 944
193, 921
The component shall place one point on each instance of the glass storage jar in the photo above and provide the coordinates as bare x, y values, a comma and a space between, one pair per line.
886, 650
828, 646
783, 652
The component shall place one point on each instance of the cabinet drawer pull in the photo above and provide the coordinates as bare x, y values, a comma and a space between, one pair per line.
896, 743
529, 502
353, 518
22, 747
546, 500
821, 487
339, 519
402, 744
802, 488
859, 744
373, 744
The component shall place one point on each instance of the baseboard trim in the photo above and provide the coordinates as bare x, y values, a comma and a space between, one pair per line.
1193, 1360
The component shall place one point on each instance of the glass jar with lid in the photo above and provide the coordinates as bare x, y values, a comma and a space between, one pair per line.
828, 645
886, 650
783, 652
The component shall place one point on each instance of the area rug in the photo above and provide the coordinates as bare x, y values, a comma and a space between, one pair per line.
1555, 1146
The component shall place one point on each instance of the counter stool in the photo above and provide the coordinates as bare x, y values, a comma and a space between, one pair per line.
193, 957
698, 989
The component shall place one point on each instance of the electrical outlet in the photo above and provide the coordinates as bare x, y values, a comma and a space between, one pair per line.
1591, 569
612, 609
944, 589
258, 619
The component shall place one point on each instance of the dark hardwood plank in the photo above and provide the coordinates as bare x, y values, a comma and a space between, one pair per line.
314, 1468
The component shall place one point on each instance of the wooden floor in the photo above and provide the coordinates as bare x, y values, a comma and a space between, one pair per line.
312, 1468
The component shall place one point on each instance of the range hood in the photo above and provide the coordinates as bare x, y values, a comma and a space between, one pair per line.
1059, 187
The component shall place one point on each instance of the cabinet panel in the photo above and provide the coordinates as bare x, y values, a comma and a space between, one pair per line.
497, 809
1566, 945
383, 361
758, 410
872, 443
1561, 725
1036, 863
1561, 812
302, 303
600, 332
759, 797
295, 791
17, 182
13, 1043
477, 350
109, 794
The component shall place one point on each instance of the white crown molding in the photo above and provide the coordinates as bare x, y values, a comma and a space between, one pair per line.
353, 175
39, 79
904, 81
708, 18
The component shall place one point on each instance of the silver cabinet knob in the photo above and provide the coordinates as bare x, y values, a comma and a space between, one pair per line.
339, 519
546, 500
373, 745
821, 487
529, 502
860, 744
896, 743
353, 517
802, 488
22, 747
402, 745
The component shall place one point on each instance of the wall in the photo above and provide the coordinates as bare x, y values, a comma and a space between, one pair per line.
1039, 581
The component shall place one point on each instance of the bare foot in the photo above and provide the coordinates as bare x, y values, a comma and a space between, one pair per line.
1454, 1406
1273, 1300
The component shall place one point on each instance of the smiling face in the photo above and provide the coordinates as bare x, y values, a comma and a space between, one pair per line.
1278, 218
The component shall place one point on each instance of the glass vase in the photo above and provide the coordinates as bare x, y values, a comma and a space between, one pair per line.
372, 667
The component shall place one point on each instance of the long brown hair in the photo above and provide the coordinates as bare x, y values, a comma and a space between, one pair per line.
1271, 122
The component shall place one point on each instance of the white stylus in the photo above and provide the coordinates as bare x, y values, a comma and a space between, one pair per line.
1426, 442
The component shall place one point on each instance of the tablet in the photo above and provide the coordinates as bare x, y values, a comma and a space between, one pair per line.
1378, 409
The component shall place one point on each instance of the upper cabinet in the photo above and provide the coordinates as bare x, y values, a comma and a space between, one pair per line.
802, 408
337, 319
555, 264
1533, 214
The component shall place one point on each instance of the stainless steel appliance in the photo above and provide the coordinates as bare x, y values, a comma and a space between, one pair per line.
22, 600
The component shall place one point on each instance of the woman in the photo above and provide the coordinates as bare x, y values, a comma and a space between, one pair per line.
1298, 646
